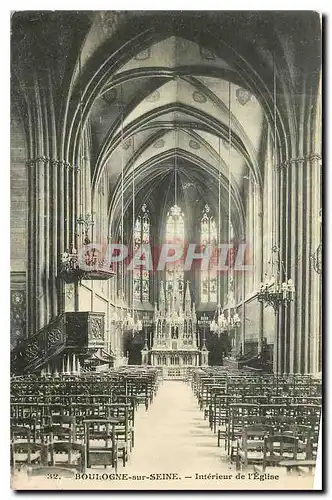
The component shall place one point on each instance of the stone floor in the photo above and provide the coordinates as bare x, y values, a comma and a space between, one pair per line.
172, 436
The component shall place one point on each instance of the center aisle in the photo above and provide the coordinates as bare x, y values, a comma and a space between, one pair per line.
173, 437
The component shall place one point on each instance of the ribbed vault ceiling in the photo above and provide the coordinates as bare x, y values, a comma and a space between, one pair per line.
176, 100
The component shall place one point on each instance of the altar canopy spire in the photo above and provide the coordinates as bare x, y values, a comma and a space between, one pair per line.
187, 298
162, 296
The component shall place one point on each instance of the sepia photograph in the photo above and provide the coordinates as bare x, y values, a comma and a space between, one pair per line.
166, 243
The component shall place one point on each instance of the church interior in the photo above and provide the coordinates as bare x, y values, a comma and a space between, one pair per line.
166, 244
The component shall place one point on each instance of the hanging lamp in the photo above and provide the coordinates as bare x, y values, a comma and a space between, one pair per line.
135, 323
86, 263
232, 318
124, 320
276, 289
226, 319
218, 322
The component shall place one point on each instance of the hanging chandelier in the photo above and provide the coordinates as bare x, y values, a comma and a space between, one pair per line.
115, 318
273, 290
133, 322
232, 319
218, 324
276, 289
87, 263
128, 322
125, 320
226, 319
224, 323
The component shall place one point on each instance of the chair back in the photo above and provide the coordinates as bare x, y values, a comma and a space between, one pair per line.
279, 447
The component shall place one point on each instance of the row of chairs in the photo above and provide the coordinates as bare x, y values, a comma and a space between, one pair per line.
142, 384
234, 384
280, 418
219, 409
77, 430
258, 424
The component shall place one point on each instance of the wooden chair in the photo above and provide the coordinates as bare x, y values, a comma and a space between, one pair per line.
25, 422
66, 455
21, 434
250, 446
66, 422
221, 413
26, 454
124, 430
237, 419
305, 435
52, 433
278, 448
96, 431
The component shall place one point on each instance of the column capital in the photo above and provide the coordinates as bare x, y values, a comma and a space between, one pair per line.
32, 162
300, 159
53, 162
65, 164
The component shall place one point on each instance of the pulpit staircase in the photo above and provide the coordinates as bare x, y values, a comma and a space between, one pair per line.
79, 332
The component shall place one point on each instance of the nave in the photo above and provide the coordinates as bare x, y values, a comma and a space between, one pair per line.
155, 434
166, 246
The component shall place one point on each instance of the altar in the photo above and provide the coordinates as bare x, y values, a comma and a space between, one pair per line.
175, 343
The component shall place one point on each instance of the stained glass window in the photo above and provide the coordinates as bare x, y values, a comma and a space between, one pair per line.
142, 237
175, 235
209, 236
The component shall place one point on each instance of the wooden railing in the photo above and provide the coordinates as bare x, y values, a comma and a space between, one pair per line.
78, 330
36, 350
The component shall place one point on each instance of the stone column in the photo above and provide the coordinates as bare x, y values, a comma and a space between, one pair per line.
304, 281
66, 204
314, 301
243, 322
41, 290
259, 263
297, 268
290, 202
62, 242
282, 241
46, 210
38, 253
261, 333
32, 248
307, 282
276, 350
54, 254
75, 190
